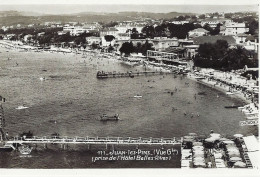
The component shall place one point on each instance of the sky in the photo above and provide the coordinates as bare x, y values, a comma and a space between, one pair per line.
157, 6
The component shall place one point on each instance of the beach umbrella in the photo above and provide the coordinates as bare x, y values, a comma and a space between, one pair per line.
238, 135
219, 160
233, 155
188, 140
188, 137
198, 158
201, 137
235, 159
198, 150
236, 153
230, 147
215, 135
232, 150
218, 155
192, 134
198, 147
199, 164
197, 144
239, 164
224, 139
198, 154
229, 142
210, 140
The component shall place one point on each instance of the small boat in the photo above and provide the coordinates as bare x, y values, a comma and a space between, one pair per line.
21, 107
6, 147
252, 117
105, 117
25, 150
229, 93
138, 96
197, 77
42, 78
202, 93
232, 106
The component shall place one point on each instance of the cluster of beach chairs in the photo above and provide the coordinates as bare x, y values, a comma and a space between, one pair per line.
250, 110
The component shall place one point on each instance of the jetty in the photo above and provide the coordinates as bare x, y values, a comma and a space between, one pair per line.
102, 74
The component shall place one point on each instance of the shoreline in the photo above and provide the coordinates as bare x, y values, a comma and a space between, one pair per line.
89, 54
219, 88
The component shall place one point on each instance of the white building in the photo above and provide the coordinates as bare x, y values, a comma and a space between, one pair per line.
212, 23
179, 22
5, 28
109, 31
93, 40
74, 30
123, 28
161, 43
123, 36
235, 28
191, 50
198, 32
27, 37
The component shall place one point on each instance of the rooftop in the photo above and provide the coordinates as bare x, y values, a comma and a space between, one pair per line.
213, 39
199, 30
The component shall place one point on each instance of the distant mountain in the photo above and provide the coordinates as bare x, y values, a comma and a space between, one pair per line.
138, 14
8, 18
19, 13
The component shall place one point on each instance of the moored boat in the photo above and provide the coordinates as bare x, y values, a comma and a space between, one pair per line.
105, 117
232, 106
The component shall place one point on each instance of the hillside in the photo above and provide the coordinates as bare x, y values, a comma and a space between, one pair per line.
8, 18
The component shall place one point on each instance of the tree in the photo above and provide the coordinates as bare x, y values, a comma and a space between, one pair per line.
202, 16
216, 30
127, 48
180, 31
135, 34
149, 31
94, 46
253, 25
180, 18
159, 30
110, 48
146, 46
207, 27
219, 56
109, 38
80, 40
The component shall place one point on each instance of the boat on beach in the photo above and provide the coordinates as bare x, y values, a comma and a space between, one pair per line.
105, 117
21, 107
232, 106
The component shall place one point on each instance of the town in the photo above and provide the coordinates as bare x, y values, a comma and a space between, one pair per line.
218, 50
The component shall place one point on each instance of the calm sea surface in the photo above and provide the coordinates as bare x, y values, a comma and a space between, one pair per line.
72, 96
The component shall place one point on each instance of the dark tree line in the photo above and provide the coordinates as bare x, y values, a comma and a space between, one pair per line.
128, 48
220, 56
212, 31
169, 30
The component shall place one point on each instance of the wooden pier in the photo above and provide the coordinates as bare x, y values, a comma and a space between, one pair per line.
12, 143
102, 75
